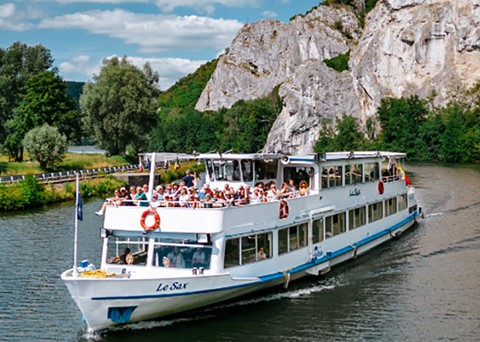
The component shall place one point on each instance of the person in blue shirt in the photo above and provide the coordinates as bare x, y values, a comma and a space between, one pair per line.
141, 198
188, 179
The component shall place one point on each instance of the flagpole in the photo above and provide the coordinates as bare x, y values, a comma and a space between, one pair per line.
75, 273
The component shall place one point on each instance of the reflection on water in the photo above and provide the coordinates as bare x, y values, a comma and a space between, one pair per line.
422, 286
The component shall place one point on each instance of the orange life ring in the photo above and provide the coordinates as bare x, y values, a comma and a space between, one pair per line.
156, 216
283, 209
381, 189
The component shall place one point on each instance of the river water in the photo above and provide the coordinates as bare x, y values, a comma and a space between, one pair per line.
422, 287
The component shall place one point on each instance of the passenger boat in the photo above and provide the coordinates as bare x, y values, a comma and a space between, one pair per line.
354, 202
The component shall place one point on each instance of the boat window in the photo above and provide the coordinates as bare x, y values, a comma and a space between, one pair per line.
248, 249
353, 174
331, 176
357, 217
292, 238
247, 170
266, 169
375, 211
223, 170
335, 225
317, 231
390, 206
127, 250
180, 252
372, 172
402, 202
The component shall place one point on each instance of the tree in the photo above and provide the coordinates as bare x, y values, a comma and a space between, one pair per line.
45, 101
120, 106
17, 64
46, 145
348, 136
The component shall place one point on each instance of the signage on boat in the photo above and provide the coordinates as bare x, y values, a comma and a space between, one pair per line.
163, 287
355, 192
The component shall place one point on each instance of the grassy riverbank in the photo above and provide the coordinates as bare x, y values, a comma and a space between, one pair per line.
30, 193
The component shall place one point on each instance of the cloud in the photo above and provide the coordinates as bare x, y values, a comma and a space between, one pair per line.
14, 20
169, 69
152, 33
269, 14
203, 6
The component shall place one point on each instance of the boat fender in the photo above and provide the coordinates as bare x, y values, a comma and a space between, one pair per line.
283, 212
286, 275
381, 188
156, 216
355, 249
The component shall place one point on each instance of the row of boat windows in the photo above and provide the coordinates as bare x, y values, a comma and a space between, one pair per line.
247, 249
354, 174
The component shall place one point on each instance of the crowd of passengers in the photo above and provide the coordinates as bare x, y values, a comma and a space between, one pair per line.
191, 192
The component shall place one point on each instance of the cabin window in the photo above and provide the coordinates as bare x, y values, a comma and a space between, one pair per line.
181, 251
353, 174
331, 176
248, 249
375, 211
390, 206
335, 225
372, 172
266, 169
357, 217
292, 238
317, 231
220, 170
247, 170
136, 253
402, 202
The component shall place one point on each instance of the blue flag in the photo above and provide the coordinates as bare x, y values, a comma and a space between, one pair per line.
79, 204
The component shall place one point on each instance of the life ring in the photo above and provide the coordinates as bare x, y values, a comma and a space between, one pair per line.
156, 216
283, 209
381, 189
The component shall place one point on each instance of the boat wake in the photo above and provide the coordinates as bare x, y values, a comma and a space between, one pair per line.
209, 312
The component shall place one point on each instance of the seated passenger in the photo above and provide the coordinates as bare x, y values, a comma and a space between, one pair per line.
272, 193
184, 197
125, 258
284, 191
303, 188
176, 258
261, 254
141, 198
115, 200
198, 258
256, 196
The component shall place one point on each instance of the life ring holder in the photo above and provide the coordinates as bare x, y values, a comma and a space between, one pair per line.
381, 188
156, 216
284, 209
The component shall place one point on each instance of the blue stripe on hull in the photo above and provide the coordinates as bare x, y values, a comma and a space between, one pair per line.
278, 275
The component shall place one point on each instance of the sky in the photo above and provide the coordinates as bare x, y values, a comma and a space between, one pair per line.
174, 36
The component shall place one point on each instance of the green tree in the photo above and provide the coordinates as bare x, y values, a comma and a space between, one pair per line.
46, 145
347, 136
120, 106
45, 101
400, 120
17, 64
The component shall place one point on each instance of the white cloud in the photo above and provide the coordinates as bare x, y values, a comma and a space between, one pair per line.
7, 10
203, 6
169, 69
13, 20
151, 32
269, 14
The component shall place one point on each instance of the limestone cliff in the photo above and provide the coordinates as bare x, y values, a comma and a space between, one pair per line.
407, 47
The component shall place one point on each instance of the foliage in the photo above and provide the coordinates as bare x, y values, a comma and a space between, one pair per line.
338, 63
17, 64
31, 194
45, 101
46, 145
120, 106
348, 136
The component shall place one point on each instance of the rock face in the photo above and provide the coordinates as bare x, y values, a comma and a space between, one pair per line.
407, 47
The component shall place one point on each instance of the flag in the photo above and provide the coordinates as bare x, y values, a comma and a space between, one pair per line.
147, 164
404, 175
176, 166
165, 165
79, 203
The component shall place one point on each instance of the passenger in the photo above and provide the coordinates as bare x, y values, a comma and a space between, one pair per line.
291, 188
141, 198
176, 258
242, 197
284, 191
272, 193
115, 200
207, 201
188, 179
229, 200
160, 193
248, 191
146, 192
220, 200
261, 254
303, 188
256, 196
125, 258
197, 181
184, 197
198, 258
